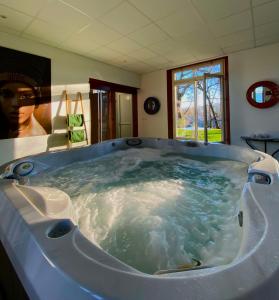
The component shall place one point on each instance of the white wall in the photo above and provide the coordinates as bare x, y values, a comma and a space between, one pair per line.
68, 71
245, 68
153, 85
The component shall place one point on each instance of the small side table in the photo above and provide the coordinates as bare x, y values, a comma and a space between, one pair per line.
265, 140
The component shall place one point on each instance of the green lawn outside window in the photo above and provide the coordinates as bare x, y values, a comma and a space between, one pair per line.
214, 135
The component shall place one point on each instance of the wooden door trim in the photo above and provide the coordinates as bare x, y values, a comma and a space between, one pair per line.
135, 114
96, 84
108, 86
94, 109
111, 116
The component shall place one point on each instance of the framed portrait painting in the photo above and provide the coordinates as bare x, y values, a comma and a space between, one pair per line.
25, 94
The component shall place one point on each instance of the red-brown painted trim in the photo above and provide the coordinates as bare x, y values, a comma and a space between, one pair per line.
135, 114
108, 86
94, 109
111, 133
170, 103
273, 87
199, 63
227, 137
226, 94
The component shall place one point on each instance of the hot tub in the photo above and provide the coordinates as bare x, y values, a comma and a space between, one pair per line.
54, 260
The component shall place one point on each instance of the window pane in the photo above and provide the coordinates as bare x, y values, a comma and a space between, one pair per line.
184, 75
198, 72
200, 110
214, 109
178, 76
205, 69
185, 111
216, 69
212, 69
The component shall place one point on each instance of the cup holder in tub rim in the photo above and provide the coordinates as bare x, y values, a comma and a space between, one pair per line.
192, 144
258, 177
134, 142
60, 229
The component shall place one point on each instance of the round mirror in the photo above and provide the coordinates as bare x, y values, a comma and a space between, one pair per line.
263, 94
151, 105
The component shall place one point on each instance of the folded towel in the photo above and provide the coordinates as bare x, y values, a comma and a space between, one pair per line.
77, 136
75, 120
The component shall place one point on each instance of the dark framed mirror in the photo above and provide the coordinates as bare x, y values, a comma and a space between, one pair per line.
263, 94
151, 105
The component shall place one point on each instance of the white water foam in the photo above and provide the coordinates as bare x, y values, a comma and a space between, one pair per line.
156, 210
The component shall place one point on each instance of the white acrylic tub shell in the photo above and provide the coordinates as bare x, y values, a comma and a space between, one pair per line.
71, 267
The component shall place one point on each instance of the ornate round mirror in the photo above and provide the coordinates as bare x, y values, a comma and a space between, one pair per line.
263, 94
151, 105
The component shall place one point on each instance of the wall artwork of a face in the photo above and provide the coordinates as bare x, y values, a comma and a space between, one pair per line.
25, 94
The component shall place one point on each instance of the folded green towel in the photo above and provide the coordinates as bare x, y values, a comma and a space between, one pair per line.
75, 120
77, 136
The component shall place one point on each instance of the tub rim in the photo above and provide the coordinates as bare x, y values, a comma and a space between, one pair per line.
259, 165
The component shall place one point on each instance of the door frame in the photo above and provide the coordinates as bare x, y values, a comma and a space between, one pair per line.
112, 88
170, 98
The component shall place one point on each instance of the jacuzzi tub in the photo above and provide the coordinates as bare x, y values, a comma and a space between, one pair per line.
55, 261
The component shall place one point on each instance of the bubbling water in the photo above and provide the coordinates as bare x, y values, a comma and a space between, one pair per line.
154, 209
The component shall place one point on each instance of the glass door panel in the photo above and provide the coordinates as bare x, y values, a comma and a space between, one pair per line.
99, 115
200, 105
186, 124
103, 115
214, 108
199, 109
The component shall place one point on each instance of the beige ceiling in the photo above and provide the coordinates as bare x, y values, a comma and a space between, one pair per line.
145, 35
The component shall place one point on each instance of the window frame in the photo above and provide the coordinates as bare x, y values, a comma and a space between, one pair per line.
171, 101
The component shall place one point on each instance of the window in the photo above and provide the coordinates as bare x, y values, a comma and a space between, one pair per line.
198, 102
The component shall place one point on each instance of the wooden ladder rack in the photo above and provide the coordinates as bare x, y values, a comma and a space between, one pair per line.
75, 129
